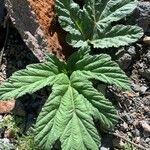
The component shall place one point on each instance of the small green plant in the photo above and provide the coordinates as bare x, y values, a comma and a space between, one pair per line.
69, 112
26, 142
9, 123
129, 146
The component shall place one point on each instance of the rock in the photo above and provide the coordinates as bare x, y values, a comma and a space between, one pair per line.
145, 126
118, 143
143, 89
125, 126
131, 50
146, 40
136, 133
135, 87
104, 148
147, 140
125, 61
137, 139
148, 56
128, 119
146, 101
142, 15
145, 73
27, 26
5, 144
2, 12
6, 106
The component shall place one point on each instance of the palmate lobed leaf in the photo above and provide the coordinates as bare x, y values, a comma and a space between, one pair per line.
92, 24
102, 68
31, 79
73, 104
67, 118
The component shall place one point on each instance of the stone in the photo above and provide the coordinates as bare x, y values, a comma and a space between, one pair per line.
146, 40
131, 50
142, 15
148, 56
125, 61
135, 87
145, 73
6, 106
145, 126
5, 144
28, 27
104, 148
143, 89
2, 11
136, 133
118, 143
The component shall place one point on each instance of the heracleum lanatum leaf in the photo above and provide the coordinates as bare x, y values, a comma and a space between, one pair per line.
93, 22
73, 104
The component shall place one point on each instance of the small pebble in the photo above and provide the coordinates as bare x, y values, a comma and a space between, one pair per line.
136, 133
145, 126
147, 140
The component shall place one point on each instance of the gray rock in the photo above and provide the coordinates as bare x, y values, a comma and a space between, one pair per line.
131, 50
5, 144
148, 56
143, 89
135, 87
145, 73
145, 125
25, 21
147, 140
125, 61
2, 13
104, 148
136, 133
142, 15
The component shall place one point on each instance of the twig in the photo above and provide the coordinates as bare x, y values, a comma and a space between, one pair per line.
125, 139
6, 25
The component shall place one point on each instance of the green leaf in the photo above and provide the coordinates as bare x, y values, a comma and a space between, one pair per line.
112, 10
119, 35
102, 109
76, 56
66, 117
29, 80
102, 68
93, 22
72, 106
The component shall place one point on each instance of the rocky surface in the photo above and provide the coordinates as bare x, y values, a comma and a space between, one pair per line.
19, 12
142, 15
2, 10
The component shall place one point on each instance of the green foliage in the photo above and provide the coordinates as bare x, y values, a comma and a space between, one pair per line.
26, 142
129, 146
69, 111
93, 23
9, 122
